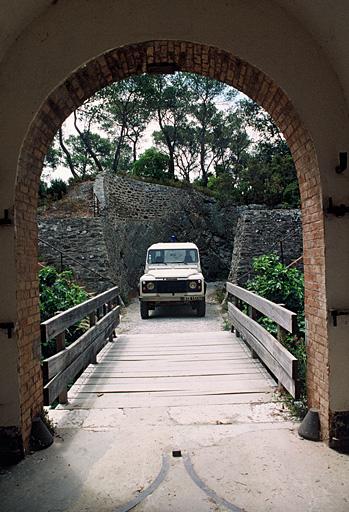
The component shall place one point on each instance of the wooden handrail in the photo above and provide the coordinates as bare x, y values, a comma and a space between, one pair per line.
280, 315
62, 367
58, 323
281, 363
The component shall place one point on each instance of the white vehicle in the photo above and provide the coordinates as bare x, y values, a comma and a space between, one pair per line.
172, 276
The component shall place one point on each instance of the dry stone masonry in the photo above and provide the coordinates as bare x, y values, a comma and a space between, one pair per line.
81, 239
135, 214
261, 232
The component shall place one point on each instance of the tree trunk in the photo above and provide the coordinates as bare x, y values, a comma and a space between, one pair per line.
204, 178
118, 149
170, 146
88, 145
134, 150
67, 154
171, 163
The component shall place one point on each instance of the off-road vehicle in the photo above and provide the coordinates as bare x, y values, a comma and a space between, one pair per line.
172, 276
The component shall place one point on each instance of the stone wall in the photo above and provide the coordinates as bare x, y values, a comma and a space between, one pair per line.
135, 214
261, 232
138, 214
81, 239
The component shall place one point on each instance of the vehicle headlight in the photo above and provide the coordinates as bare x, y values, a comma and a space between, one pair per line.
148, 286
193, 285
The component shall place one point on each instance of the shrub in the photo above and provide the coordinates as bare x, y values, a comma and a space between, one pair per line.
57, 189
274, 281
152, 164
59, 292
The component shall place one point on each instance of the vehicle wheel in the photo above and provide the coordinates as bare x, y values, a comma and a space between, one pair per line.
144, 310
201, 309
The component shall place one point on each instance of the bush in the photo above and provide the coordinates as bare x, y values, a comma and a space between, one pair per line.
59, 292
52, 192
274, 281
283, 285
152, 164
57, 189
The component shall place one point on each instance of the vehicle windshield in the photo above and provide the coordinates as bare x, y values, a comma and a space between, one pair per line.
171, 256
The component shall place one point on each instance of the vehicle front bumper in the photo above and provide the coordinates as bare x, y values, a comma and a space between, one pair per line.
172, 299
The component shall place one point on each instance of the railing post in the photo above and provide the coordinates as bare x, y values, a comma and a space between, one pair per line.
92, 318
281, 336
253, 314
236, 304
60, 345
110, 307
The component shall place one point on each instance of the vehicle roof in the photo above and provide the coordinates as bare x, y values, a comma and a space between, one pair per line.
173, 245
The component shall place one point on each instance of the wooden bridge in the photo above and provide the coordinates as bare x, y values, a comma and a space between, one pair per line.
172, 369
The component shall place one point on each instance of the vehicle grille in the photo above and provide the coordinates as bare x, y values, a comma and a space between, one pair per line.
171, 286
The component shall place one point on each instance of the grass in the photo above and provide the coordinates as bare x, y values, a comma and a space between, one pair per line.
297, 408
47, 420
226, 325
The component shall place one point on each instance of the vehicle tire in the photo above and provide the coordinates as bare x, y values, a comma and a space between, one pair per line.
144, 310
201, 309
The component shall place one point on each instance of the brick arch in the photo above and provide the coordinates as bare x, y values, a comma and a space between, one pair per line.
164, 56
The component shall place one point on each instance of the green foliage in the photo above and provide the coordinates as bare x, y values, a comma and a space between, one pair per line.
81, 158
57, 189
274, 281
59, 292
152, 164
236, 151
280, 284
52, 192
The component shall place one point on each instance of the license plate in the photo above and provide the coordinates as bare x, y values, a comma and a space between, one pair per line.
191, 298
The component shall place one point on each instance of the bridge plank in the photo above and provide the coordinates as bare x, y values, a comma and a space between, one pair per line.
165, 373
58, 323
165, 380
232, 386
280, 315
178, 376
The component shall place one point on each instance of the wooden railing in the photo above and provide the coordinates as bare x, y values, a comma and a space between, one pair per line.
263, 345
61, 368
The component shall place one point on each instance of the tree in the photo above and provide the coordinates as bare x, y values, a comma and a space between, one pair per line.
80, 157
259, 120
272, 172
231, 144
187, 152
170, 99
125, 112
205, 94
152, 164
237, 151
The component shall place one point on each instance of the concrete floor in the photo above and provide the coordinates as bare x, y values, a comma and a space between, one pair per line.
245, 456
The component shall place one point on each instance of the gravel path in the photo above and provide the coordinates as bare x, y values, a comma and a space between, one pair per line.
174, 318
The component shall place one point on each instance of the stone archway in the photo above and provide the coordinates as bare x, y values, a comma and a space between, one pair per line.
164, 56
